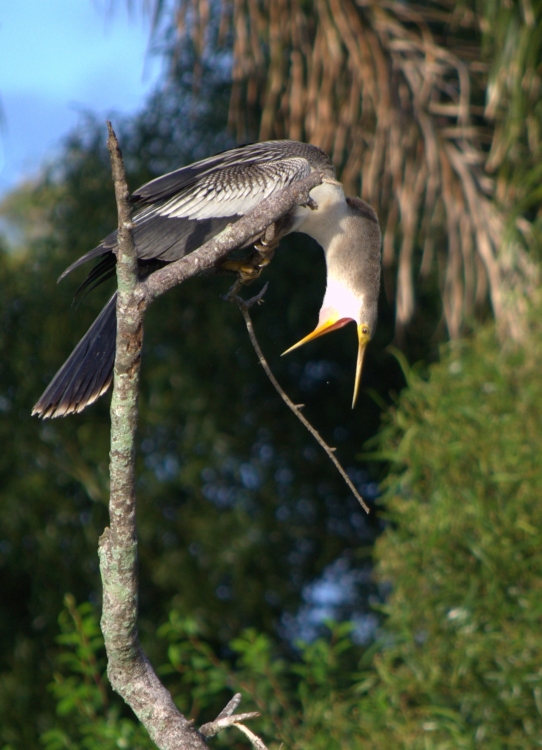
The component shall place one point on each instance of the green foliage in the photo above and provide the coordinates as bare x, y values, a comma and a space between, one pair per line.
304, 701
461, 663
88, 716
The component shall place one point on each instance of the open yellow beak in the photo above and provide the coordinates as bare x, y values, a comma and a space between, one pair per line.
363, 340
333, 324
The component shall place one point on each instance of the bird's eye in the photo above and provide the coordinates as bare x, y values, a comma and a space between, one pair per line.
365, 330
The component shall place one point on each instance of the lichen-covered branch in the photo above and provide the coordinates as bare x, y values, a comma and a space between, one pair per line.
129, 670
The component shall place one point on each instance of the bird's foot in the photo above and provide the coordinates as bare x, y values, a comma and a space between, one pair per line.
266, 245
263, 253
245, 269
248, 269
311, 203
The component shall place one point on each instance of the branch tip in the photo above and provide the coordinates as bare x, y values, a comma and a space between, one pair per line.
254, 739
229, 709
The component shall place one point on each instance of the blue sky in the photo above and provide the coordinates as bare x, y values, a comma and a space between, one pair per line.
58, 57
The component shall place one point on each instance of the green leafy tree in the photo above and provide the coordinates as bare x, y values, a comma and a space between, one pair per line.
88, 715
461, 662
308, 701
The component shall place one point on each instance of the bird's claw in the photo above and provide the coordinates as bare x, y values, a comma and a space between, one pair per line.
311, 203
248, 269
245, 271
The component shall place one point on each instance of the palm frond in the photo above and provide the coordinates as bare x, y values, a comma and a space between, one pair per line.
396, 93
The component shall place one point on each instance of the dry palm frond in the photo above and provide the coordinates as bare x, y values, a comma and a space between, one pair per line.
394, 91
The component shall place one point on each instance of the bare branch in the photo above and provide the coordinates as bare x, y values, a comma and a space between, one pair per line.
254, 739
214, 727
227, 718
244, 306
230, 707
129, 670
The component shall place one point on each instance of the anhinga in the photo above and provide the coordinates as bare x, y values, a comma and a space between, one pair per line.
183, 209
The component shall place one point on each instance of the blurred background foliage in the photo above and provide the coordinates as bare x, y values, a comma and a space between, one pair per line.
249, 543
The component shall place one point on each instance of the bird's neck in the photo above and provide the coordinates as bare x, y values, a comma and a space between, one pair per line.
323, 223
350, 237
328, 226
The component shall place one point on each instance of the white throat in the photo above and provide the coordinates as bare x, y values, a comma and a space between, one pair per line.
342, 299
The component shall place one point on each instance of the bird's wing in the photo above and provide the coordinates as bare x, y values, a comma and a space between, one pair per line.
185, 208
233, 190
188, 177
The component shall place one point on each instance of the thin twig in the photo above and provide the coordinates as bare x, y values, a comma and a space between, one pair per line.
216, 726
230, 707
228, 718
254, 739
244, 306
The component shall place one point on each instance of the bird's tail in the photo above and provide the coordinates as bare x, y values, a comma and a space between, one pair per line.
88, 371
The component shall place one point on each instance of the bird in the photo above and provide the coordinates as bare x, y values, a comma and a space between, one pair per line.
179, 211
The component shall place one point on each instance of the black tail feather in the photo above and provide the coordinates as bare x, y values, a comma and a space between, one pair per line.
104, 248
88, 371
103, 270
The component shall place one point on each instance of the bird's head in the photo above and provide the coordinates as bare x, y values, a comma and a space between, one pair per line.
353, 280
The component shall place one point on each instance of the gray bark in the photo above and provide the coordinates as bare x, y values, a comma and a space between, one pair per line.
129, 671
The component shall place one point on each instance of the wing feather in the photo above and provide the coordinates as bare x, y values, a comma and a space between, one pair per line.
233, 191
171, 184
183, 209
